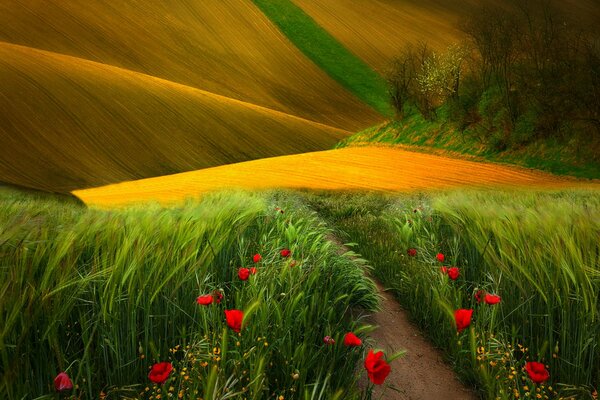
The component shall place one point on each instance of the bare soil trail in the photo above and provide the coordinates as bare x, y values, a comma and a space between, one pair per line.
422, 373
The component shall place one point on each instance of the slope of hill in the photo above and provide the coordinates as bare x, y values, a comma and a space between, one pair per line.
226, 47
376, 30
69, 123
355, 168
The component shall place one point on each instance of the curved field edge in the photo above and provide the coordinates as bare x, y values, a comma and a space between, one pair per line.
107, 294
71, 123
328, 53
438, 137
229, 48
355, 168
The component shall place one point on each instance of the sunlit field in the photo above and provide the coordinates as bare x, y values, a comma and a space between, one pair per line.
354, 168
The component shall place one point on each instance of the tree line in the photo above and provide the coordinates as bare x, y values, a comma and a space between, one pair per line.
525, 72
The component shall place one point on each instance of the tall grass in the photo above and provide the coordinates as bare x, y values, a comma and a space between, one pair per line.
538, 251
105, 294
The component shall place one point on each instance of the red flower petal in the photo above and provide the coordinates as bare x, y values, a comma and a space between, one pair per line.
243, 273
377, 368
411, 252
160, 372
462, 317
205, 299
453, 273
440, 257
234, 319
285, 253
492, 299
351, 340
62, 382
257, 257
537, 371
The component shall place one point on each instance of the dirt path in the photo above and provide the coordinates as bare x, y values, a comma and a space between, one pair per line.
422, 373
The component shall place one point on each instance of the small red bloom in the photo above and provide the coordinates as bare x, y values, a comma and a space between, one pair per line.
160, 372
377, 368
243, 273
453, 273
479, 295
462, 318
444, 270
492, 299
253, 270
537, 371
351, 340
411, 252
257, 257
234, 319
205, 299
217, 296
328, 340
62, 382
285, 253
440, 257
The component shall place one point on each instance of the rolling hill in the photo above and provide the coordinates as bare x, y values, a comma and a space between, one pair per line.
353, 168
98, 92
376, 30
69, 123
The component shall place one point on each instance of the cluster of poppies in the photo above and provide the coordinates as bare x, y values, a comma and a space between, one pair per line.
537, 371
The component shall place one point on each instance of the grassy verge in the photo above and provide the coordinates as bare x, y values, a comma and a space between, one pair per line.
103, 295
329, 54
538, 252
574, 159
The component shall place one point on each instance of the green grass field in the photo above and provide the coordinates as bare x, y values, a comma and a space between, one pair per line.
103, 295
538, 251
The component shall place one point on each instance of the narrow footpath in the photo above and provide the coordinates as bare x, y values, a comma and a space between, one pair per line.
422, 373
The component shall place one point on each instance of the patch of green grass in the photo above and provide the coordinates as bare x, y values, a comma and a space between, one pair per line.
329, 54
554, 157
538, 251
103, 295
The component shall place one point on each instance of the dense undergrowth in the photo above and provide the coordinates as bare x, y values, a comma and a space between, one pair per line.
538, 252
103, 295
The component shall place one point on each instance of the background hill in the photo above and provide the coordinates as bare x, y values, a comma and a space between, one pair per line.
80, 106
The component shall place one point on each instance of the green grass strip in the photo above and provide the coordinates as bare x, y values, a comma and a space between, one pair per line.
329, 54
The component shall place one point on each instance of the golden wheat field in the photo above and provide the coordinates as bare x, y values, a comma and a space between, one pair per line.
376, 30
223, 46
354, 168
71, 123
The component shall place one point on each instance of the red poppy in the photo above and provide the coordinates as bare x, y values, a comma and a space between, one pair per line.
62, 382
440, 257
537, 371
411, 252
243, 273
328, 340
285, 253
205, 299
377, 368
453, 273
234, 319
444, 270
257, 257
462, 318
351, 340
160, 372
253, 270
217, 296
492, 299
478, 295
